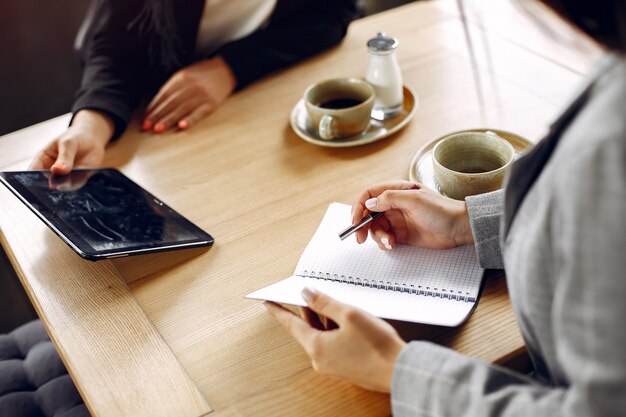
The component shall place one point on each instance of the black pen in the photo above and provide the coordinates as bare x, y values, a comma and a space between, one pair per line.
365, 220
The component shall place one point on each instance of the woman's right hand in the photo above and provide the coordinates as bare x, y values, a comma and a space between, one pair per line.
81, 145
414, 215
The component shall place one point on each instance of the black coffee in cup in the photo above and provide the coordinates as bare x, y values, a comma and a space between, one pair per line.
339, 108
340, 103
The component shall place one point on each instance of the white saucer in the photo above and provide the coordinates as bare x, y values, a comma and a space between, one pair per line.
377, 129
421, 168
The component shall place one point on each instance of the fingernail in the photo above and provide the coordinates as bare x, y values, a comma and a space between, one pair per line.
159, 127
146, 125
385, 242
371, 203
308, 293
58, 165
183, 124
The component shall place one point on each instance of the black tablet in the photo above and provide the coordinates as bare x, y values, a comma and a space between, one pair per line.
102, 214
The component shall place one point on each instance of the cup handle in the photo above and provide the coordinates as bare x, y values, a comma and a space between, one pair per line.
327, 128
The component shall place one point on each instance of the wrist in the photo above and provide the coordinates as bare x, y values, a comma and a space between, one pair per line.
226, 74
392, 357
463, 231
96, 125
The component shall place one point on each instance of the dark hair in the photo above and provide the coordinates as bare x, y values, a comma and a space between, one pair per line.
602, 20
157, 17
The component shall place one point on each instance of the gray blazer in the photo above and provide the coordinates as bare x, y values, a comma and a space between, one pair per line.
559, 231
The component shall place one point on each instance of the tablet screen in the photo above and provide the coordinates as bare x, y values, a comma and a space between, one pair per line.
102, 212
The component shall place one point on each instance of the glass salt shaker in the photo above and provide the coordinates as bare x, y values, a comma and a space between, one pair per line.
383, 73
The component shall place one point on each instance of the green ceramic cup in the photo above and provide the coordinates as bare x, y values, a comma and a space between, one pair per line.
471, 163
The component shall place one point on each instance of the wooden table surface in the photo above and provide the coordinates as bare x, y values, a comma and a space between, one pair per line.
171, 334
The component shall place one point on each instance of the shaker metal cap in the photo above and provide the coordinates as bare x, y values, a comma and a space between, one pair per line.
382, 43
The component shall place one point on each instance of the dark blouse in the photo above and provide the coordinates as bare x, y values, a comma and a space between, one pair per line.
119, 71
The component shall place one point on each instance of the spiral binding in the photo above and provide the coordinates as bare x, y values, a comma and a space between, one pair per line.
392, 286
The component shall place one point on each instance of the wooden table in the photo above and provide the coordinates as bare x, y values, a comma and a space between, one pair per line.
166, 335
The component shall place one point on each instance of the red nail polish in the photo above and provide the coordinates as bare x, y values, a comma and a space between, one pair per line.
159, 127
146, 125
58, 165
183, 124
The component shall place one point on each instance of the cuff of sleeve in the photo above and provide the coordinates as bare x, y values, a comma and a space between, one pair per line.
245, 62
421, 384
485, 214
432, 380
254, 57
117, 110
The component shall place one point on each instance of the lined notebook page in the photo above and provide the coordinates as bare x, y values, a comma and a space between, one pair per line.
326, 258
454, 271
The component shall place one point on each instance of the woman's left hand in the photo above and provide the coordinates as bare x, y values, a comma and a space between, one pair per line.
190, 95
362, 350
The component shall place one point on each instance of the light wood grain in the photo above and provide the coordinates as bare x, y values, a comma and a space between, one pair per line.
118, 360
247, 179
532, 26
137, 267
19, 148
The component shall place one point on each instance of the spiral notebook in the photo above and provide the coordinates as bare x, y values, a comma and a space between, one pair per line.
439, 287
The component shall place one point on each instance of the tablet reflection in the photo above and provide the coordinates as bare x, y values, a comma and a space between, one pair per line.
105, 211
74, 181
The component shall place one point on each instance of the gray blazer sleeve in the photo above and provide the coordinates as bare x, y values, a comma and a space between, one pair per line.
485, 214
431, 380
587, 314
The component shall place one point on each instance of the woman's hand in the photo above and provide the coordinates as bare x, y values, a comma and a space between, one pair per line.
414, 215
68, 183
81, 145
190, 95
362, 350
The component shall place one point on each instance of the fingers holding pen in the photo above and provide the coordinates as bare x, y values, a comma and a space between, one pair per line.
381, 233
364, 205
378, 189
391, 198
359, 213
369, 199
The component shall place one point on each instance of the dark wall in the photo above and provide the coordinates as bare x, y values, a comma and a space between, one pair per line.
39, 72
16, 308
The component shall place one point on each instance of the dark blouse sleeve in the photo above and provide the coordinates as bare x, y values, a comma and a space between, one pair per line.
114, 60
297, 29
